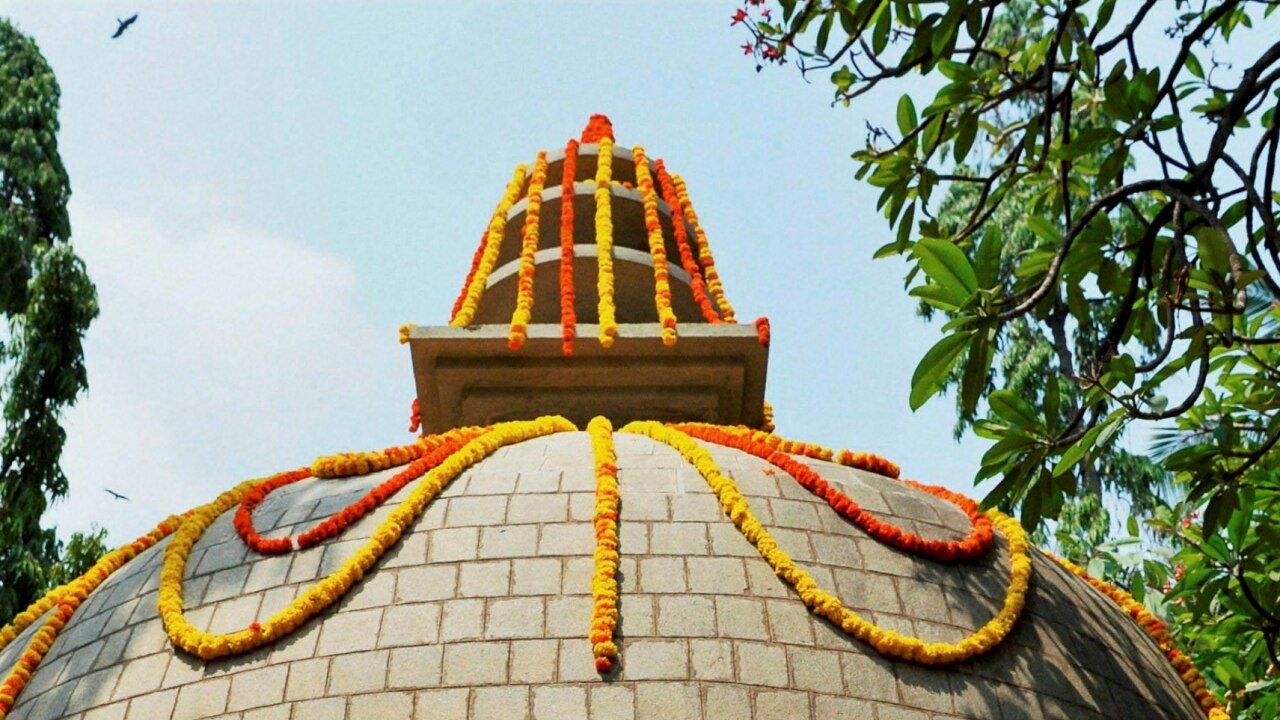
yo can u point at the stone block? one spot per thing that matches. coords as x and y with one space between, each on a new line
462 620
540 576
515 618
721 576
428 582
869 676
417 624
781 705
682 539
568 616
643 507
668 701
485 579
478 663
655 660
533 661
255 688
560 539
415 667
662 575
711 659
307 679
727 540
762 665
740 618
790 621
537 481
561 702
384 706
141 676
549 508
817 670
155 705
499 703
510 541
453 544
729 702
358 672
686 616
349 631
442 704
322 709
613 702
202 699
482 511
843 708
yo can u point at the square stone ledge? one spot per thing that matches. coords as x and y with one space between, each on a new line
468 376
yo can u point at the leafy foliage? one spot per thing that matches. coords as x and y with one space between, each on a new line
1096 220
49 301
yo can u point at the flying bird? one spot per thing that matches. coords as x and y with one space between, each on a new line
124 25
116 495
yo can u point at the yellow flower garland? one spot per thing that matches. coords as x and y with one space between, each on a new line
657 247
523 313
327 591
67 599
604 581
886 642
704 251
493 244
604 244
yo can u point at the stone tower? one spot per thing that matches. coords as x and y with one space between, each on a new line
526 558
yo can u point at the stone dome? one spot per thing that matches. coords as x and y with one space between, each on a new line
481 610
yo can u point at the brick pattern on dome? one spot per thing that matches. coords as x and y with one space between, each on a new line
481 611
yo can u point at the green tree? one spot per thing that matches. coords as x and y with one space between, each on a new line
1095 216
48 300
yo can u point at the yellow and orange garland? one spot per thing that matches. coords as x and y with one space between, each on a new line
604 243
1157 631
64 601
327 591
604 579
488 256
528 248
568 316
704 250
657 247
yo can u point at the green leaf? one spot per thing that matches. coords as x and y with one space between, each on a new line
974 380
988 257
824 32
906 115
932 371
880 35
943 298
966 132
946 265
1013 408
1044 229
1193 65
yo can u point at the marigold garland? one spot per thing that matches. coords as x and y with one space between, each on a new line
327 591
604 580
767 425
657 247
405 329
762 330
975 544
681 233
886 642
1156 629
598 128
64 601
860 460
528 248
568 316
704 250
604 243
476 259
415 416
429 452
492 245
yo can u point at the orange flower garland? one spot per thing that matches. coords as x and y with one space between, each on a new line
604 580
604 242
438 447
471 274
974 545
1152 626
598 128
68 600
767 425
529 247
860 460
762 330
327 591
492 245
568 317
657 247
415 416
704 250
886 642
687 260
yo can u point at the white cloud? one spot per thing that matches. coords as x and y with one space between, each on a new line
220 352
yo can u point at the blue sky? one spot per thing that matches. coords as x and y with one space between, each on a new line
264 192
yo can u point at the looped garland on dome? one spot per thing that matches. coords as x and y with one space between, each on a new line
433 461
